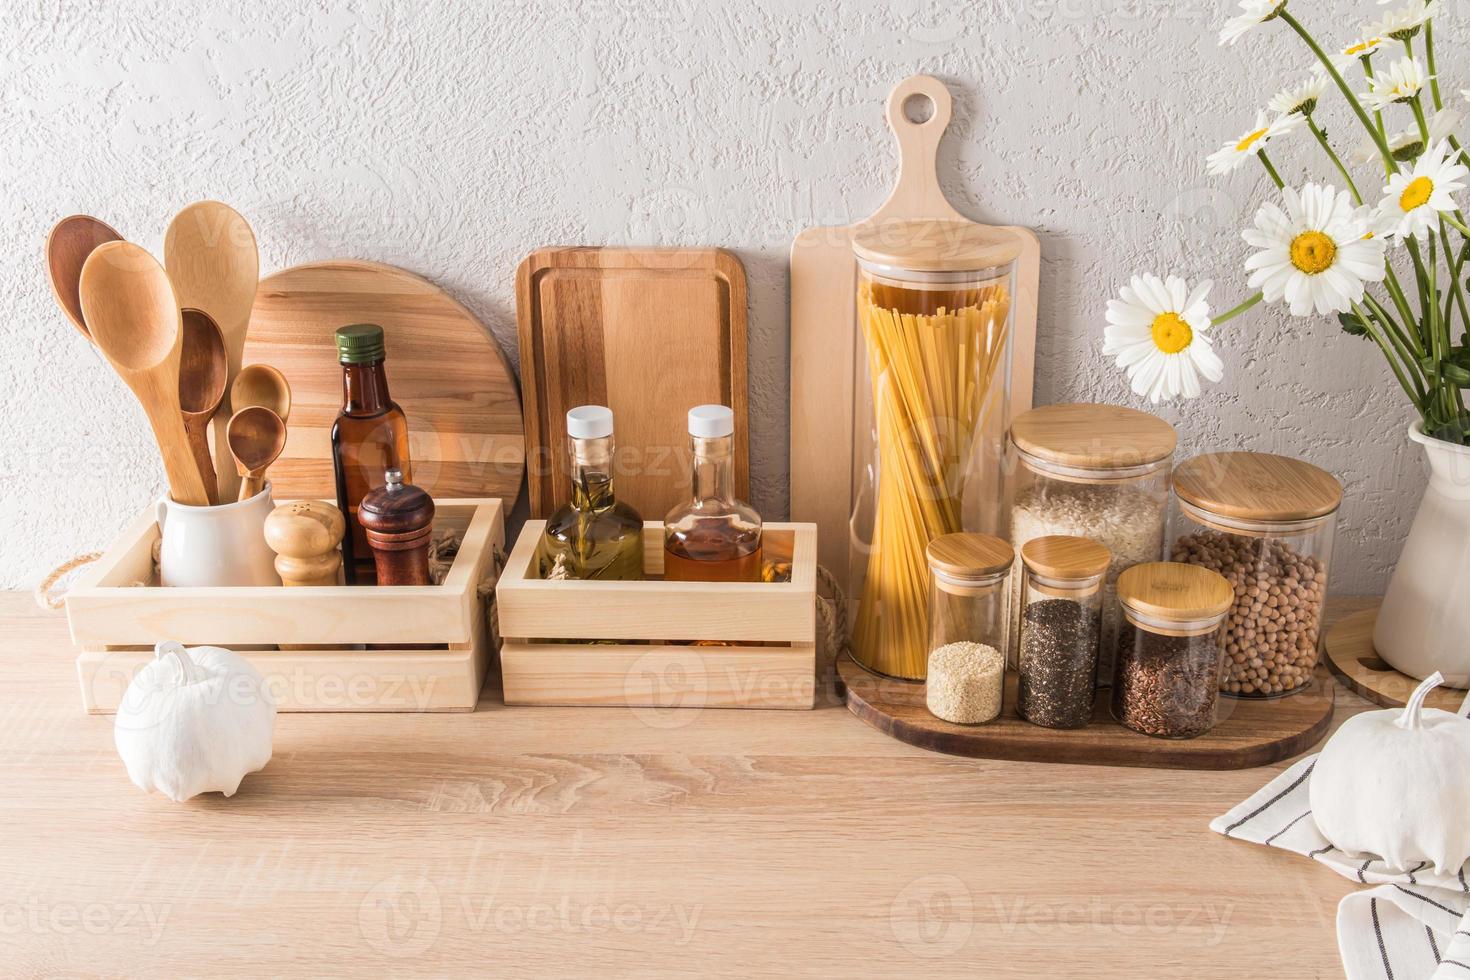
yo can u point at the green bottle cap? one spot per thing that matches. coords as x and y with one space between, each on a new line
360 343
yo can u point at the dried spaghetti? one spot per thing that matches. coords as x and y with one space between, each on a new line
933 357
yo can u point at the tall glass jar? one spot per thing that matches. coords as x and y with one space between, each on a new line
1266 523
1092 471
969 585
1061 623
932 396
1167 682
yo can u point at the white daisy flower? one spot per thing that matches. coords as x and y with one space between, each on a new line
1253 12
1413 201
1407 145
1401 82
1157 330
1300 98
1236 152
1404 23
1356 51
1317 253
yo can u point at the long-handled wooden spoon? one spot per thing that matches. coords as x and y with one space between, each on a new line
130 309
67 247
203 371
256 436
210 254
261 384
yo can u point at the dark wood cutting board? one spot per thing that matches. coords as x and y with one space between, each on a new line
649 332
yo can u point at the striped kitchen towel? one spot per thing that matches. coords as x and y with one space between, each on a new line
1411 925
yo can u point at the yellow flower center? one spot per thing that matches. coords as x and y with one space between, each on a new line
1171 333
1362 47
1312 252
1416 194
1249 141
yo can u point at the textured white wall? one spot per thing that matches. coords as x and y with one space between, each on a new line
452 137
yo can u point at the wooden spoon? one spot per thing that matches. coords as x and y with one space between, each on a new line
261 384
256 436
202 374
133 317
210 254
67 248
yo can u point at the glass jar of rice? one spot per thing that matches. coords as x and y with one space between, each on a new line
969 577
1092 471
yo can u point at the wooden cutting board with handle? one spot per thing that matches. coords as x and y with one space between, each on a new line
648 332
444 369
824 331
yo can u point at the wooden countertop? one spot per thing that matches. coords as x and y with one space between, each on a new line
549 842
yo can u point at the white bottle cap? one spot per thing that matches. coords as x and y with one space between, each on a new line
711 421
590 422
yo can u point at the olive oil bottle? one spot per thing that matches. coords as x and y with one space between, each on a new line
714 537
594 536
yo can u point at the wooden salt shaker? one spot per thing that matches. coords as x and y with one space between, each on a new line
399 520
305 535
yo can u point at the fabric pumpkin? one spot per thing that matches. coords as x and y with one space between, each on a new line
195 721
1396 785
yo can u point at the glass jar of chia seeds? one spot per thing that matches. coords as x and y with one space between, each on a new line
1167 679
969 601
1061 623
1092 471
1267 524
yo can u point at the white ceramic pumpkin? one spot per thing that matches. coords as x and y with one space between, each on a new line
195 721
1396 785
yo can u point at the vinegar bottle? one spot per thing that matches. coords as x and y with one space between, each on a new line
713 537
595 535
369 438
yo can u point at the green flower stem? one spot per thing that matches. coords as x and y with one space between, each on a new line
1367 62
1429 54
1332 155
1234 312
1408 348
1454 295
1419 118
1266 162
1336 76
1388 355
1456 224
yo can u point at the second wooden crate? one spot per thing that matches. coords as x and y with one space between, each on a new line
662 644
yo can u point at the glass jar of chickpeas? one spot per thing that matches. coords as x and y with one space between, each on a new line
1266 523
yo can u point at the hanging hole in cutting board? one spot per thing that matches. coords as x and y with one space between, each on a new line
918 109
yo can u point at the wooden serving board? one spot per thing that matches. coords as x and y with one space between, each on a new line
648 332
1255 733
1353 661
824 351
444 369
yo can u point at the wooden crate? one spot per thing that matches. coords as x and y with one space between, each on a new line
646 655
115 622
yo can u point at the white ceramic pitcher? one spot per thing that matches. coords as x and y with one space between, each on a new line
1424 624
216 546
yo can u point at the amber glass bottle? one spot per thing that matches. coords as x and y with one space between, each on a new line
370 437
713 537
595 535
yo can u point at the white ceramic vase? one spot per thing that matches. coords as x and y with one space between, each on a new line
1424 624
216 546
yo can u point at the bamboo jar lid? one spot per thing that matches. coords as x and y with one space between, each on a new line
1093 436
969 556
935 245
1257 487
1066 557
1173 591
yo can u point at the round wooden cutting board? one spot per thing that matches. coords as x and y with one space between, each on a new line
444 368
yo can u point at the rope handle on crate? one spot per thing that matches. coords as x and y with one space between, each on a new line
42 592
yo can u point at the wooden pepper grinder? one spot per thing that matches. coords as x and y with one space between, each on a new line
305 535
399 520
